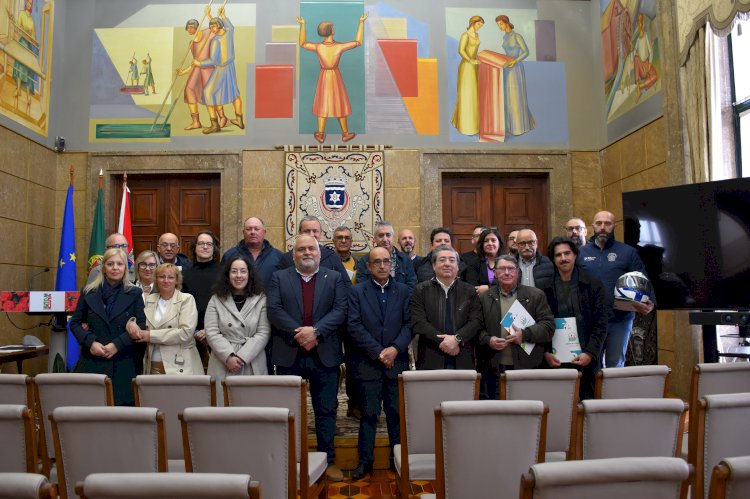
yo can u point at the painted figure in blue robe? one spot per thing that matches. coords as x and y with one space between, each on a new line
518 118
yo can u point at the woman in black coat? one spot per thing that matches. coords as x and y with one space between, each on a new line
107 308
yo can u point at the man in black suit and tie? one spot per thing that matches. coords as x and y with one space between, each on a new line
380 332
306 306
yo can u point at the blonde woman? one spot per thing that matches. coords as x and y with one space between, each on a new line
145 267
109 308
466 114
171 316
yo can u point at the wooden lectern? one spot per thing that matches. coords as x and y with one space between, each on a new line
491 96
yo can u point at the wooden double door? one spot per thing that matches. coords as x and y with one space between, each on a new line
508 203
182 204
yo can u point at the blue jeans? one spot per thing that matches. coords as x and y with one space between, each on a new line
323 390
371 394
616 345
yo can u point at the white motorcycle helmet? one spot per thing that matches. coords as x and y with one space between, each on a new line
632 287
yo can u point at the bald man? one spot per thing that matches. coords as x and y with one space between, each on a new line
575 229
255 247
168 251
606 259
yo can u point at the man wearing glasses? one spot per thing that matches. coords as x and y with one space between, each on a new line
402 269
536 269
115 240
575 229
607 259
168 250
500 349
342 243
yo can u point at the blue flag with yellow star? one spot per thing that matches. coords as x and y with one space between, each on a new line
66 270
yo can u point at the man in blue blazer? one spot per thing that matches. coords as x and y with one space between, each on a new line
380 332
306 307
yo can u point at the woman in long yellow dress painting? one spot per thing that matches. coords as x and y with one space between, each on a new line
466 115
331 99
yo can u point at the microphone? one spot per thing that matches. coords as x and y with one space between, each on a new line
36 274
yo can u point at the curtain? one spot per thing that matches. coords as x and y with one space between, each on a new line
694 96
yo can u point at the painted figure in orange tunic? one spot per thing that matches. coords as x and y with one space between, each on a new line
331 100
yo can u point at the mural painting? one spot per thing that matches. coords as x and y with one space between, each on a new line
631 54
25 66
502 93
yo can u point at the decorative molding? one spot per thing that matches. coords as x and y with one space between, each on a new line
694 14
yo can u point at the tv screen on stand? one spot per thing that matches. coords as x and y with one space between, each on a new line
695 243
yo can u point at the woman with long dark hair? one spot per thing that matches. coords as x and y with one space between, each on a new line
237 327
481 273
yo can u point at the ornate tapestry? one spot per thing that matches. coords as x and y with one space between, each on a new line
340 187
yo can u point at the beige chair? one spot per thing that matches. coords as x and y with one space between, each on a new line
288 392
615 478
731 479
483 446
259 441
52 390
106 439
419 393
629 428
171 394
17 437
558 389
720 433
168 485
713 379
26 486
632 382
16 389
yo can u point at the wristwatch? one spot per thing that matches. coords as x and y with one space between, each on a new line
459 340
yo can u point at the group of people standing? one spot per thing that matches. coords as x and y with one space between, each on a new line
261 311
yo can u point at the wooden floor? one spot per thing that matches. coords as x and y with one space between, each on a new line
381 484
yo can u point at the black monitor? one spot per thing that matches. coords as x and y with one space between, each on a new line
695 242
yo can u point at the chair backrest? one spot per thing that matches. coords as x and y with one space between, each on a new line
630 428
16 389
52 390
169 485
731 479
25 486
616 478
632 382
558 389
483 446
106 439
171 394
17 437
289 392
255 440
720 425
420 392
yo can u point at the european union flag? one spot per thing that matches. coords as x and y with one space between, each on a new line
66 270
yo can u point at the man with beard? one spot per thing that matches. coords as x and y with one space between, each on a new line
536 269
511 241
306 307
342 243
407 241
575 294
575 229
606 259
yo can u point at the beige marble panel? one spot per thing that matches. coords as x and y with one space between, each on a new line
633 153
13 277
266 204
14 153
610 162
586 170
656 142
43 244
636 182
13 242
402 206
586 202
686 352
79 162
263 169
613 199
402 168
275 236
43 205
666 330
657 176
13 196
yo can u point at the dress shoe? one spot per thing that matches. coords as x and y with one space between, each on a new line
334 474
361 471
354 412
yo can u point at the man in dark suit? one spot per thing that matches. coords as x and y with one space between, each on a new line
380 331
306 306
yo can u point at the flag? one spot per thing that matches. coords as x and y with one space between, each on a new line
66 270
98 238
124 226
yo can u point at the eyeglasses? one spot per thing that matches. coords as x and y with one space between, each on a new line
343 238
238 271
505 270
168 245
118 246
382 263
204 244
523 244
145 266
571 228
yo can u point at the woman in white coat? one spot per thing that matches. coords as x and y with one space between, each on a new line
237 327
171 316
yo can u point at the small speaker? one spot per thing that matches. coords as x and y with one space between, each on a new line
59 144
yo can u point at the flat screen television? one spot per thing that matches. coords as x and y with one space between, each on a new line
695 242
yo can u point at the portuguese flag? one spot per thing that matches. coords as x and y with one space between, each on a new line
98 238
